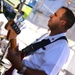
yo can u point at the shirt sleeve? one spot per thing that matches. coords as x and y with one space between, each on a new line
54 58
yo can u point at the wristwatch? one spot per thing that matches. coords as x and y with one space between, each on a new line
22 70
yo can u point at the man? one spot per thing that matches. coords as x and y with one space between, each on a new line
55 55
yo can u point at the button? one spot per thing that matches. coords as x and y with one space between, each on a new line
52 38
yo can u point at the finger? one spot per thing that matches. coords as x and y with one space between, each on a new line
17 48
10 50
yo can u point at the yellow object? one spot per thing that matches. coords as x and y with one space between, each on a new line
26 9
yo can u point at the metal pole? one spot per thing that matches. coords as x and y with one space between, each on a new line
1 6
21 5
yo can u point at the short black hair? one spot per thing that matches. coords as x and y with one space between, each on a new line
69 17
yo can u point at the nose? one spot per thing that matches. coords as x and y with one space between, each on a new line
51 15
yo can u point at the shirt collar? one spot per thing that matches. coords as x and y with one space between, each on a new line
52 38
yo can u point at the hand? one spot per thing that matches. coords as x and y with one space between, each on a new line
14 57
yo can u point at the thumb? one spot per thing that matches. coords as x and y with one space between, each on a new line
17 48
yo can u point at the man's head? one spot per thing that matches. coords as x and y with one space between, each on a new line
62 19
69 17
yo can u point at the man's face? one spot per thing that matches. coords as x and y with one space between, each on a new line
55 21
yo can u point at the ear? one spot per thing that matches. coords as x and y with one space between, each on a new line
63 22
